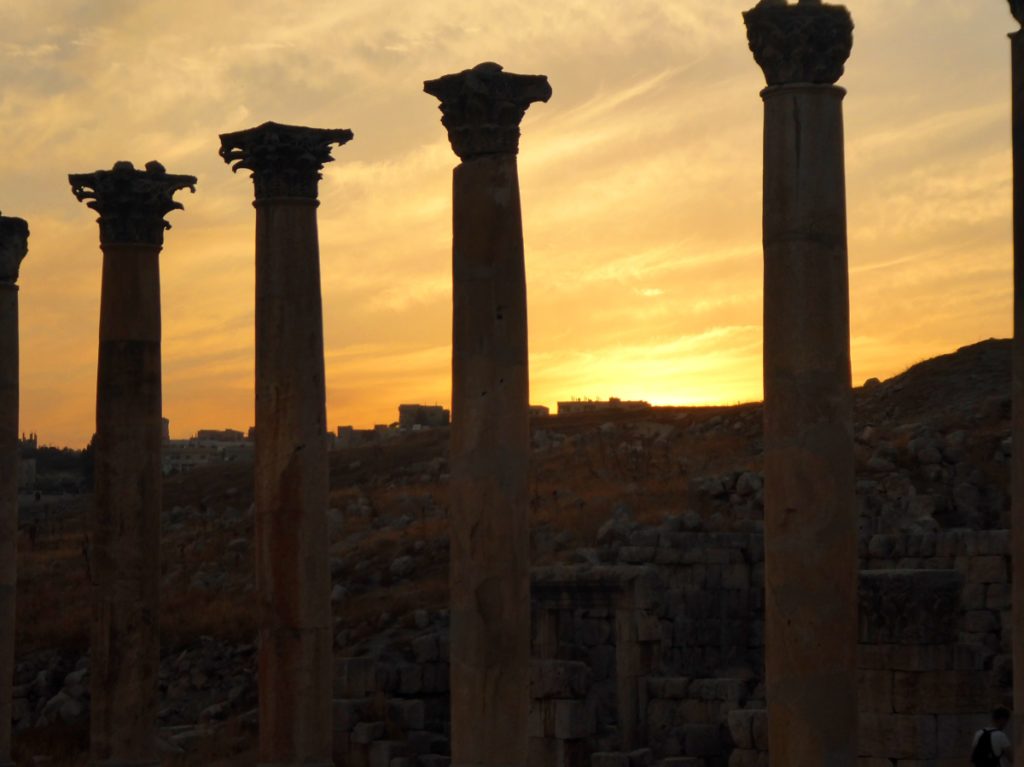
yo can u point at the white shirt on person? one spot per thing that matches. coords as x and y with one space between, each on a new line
1000 744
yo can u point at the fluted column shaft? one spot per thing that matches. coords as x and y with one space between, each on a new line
292 563
490 442
124 659
490 451
13 246
8 506
292 573
810 518
1017 466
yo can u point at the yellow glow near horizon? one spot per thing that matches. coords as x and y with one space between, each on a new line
640 183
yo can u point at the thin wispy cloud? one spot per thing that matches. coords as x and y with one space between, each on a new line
640 179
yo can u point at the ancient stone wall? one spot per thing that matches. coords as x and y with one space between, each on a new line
653 653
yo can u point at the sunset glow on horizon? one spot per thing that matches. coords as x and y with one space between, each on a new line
640 180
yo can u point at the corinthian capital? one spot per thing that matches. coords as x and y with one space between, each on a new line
804 43
285 160
131 203
13 247
483 106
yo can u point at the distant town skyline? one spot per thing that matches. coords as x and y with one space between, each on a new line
641 185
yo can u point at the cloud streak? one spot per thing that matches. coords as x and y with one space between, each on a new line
640 180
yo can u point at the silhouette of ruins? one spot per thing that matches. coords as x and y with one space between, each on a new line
860 643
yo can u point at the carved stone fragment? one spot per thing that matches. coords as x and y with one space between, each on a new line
483 106
285 160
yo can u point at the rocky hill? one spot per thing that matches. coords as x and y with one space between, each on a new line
932 446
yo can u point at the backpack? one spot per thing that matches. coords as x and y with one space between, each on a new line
983 754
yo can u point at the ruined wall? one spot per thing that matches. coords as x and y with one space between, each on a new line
651 651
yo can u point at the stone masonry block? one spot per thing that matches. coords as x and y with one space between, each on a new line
703 740
987 569
559 679
609 759
383 751
874 691
741 729
367 732
574 719
909 607
897 736
348 712
759 729
354 677
406 714
940 692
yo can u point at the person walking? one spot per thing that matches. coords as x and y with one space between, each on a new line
991 745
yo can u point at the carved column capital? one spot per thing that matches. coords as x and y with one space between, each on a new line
804 43
483 106
13 247
285 160
1017 9
132 203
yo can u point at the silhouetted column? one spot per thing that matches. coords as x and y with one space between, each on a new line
125 652
292 573
490 449
1017 465
13 247
810 519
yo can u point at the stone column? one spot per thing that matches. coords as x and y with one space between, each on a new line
292 573
125 655
1017 464
13 247
810 518
490 448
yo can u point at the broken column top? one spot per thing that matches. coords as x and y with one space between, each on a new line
483 106
132 203
806 43
13 247
285 160
1017 9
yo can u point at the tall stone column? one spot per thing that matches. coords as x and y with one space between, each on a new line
13 248
125 654
490 448
292 571
810 519
1017 461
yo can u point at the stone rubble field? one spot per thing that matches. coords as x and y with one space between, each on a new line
648 589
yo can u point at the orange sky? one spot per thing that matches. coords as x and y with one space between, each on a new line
640 182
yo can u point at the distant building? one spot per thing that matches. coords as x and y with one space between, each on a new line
166 423
349 436
424 416
598 406
220 435
539 410
27 447
207 447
